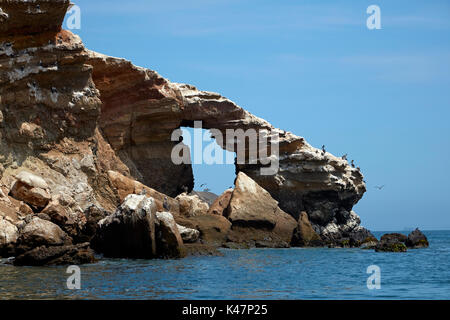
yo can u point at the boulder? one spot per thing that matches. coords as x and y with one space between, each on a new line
130 231
38 232
93 215
61 255
348 234
256 217
390 246
8 236
304 235
392 242
393 237
213 229
63 211
169 243
124 186
191 205
221 203
369 243
188 235
31 189
416 239
57 213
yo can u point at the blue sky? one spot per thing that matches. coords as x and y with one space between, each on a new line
313 68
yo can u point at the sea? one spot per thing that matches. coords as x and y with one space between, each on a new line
294 273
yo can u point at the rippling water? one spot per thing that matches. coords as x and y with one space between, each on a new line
294 273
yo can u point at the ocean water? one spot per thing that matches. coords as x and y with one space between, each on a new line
295 273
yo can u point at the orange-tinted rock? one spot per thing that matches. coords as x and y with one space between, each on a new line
191 205
256 217
72 115
221 203
124 186
213 229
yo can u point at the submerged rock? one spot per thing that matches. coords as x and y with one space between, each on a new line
390 246
392 242
56 255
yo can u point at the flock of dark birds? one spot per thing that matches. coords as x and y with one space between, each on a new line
352 163
206 189
344 157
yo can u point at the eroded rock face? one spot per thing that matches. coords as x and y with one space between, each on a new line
49 108
93 126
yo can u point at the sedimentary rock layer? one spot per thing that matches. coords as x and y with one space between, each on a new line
73 116
141 110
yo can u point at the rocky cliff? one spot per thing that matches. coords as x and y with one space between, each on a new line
79 119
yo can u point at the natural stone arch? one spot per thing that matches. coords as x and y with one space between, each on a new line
141 109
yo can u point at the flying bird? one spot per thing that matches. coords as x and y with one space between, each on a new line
379 187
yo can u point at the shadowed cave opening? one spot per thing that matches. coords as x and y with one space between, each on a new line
213 167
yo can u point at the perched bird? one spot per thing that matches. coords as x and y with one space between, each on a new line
379 187
203 185
143 192
323 149
344 157
185 189
166 204
352 163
